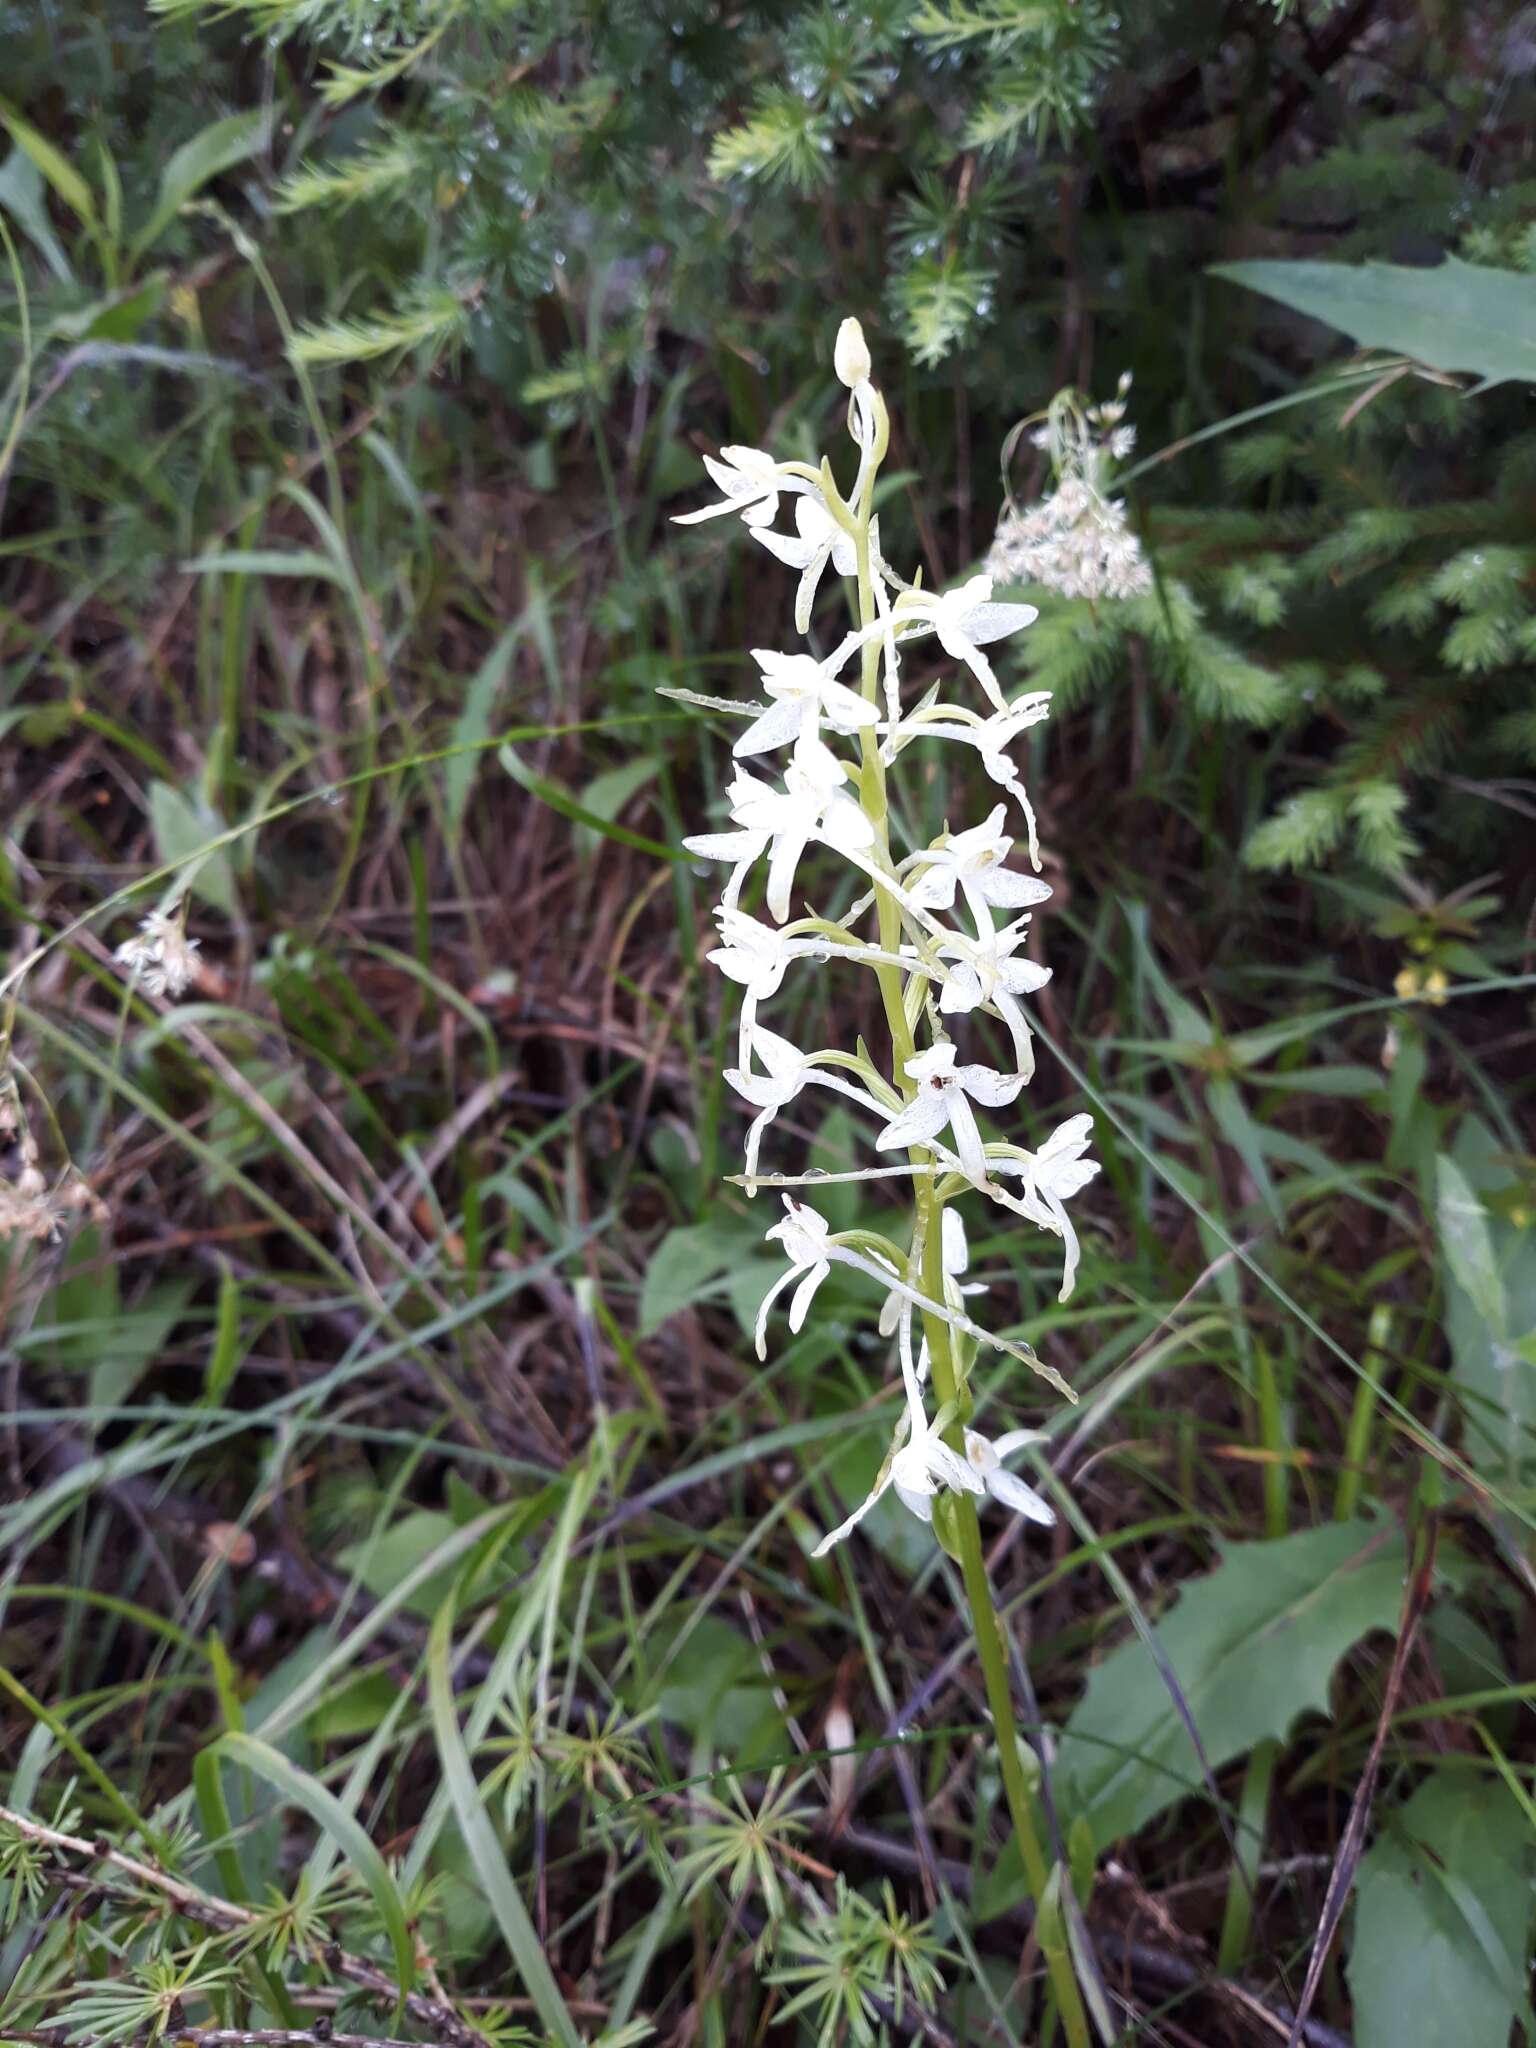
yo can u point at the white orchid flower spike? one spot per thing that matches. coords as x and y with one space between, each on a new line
804 693
943 924
945 1092
965 620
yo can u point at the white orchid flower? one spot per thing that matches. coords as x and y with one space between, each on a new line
805 1237
975 861
965 620
789 1070
1051 1176
991 737
917 1468
944 1095
803 694
985 1456
817 540
751 482
757 957
986 973
813 1250
783 823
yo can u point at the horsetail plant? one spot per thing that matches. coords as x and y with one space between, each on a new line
927 926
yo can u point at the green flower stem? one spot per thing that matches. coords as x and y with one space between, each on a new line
947 1387
872 797
985 1625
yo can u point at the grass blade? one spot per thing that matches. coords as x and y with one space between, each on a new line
485 1850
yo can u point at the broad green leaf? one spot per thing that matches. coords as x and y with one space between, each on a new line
1468 1245
1443 1919
1251 1645
181 828
1339 1080
131 1343
1495 1361
836 1150
121 317
383 1561
684 1266
1457 316
473 724
55 167
215 148
327 1812
607 794
711 1685
96 1335
749 1280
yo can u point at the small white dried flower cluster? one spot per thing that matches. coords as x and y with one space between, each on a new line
160 957
29 1208
936 943
1076 541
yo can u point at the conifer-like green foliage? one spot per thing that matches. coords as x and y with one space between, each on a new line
568 206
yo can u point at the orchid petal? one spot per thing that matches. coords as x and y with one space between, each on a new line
992 1090
988 622
923 1118
778 726
962 1124
1012 1492
799 1307
787 849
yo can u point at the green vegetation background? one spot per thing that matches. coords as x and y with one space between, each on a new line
379 1426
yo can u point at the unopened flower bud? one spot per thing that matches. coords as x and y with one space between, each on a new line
850 354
